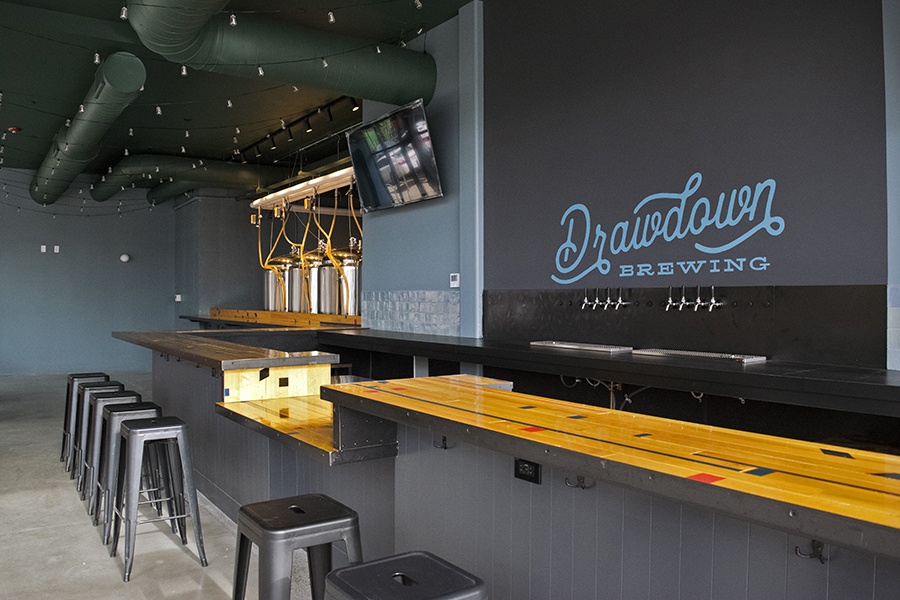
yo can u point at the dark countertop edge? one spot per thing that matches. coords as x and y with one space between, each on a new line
872 391
218 354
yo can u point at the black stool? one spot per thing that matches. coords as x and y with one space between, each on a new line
409 576
68 440
180 481
82 407
278 527
95 439
113 416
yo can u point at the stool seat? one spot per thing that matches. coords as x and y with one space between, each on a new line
68 441
280 526
409 576
178 480
107 482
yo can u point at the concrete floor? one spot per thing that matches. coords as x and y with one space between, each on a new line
48 545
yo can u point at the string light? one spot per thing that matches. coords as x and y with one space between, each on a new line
184 70
183 151
187 133
158 110
130 132
418 3
237 130
324 63
81 108
124 13
68 122
96 58
228 103
233 20
331 18
259 69
283 126
378 48
126 151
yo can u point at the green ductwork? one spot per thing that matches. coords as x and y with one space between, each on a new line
164 170
197 34
117 83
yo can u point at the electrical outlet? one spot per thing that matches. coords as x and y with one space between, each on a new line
527 470
454 280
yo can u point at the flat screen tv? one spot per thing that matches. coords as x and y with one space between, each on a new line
393 159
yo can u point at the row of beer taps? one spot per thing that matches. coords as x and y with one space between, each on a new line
697 303
620 302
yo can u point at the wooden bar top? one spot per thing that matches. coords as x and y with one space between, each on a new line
844 495
207 351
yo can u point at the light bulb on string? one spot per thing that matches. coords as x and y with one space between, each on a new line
402 43
187 133
234 140
283 125
378 48
130 132
126 151
68 122
96 58
296 89
158 110
123 14
184 70
233 20
418 3
3 137
228 103
324 63
237 130
183 151
81 108
331 18
259 70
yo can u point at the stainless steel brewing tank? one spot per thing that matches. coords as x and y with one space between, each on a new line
314 265
277 283
349 282
329 291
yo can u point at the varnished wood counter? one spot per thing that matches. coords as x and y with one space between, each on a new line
207 351
831 493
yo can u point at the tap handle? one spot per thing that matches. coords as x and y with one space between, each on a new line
596 301
609 301
670 303
713 303
698 302
683 302
585 302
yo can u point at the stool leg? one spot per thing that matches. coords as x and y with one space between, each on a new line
275 573
67 423
354 546
133 461
188 473
319 558
241 567
93 468
112 488
173 479
118 509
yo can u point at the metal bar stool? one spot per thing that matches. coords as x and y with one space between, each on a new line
82 407
136 434
278 527
107 479
95 439
68 440
409 576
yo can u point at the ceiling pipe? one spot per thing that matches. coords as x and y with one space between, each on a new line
117 83
165 169
195 33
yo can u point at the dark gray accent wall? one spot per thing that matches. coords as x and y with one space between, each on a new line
217 260
631 113
606 542
59 309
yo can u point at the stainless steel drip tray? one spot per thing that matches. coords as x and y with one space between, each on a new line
740 358
582 346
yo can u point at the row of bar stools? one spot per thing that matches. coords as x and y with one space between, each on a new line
178 477
278 527
68 440
95 439
82 424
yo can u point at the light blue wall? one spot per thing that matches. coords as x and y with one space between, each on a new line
891 16
59 310
416 247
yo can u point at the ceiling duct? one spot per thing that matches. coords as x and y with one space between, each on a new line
117 83
184 171
197 34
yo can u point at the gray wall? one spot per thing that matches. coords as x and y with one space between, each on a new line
216 259
606 542
59 310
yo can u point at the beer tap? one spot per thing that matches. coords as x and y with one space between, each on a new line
698 302
585 302
683 302
713 303
620 302
670 303
609 301
596 301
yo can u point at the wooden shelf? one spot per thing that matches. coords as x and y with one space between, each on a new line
289 319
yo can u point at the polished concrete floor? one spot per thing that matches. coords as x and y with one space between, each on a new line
48 545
